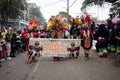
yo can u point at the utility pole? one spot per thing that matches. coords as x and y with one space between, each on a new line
68 7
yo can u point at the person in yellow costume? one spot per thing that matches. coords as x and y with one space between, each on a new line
3 34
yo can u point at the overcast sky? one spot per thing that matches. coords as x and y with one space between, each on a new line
53 7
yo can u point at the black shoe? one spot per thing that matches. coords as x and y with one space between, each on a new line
0 65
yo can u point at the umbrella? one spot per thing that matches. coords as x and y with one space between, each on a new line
114 20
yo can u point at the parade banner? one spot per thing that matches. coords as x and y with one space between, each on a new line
54 47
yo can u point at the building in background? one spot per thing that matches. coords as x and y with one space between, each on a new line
21 22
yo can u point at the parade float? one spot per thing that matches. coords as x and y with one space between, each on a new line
57 25
56 46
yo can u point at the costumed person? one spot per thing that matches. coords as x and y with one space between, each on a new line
74 31
30 52
25 39
76 24
13 45
111 40
86 40
86 36
8 45
74 50
3 35
43 32
35 52
34 29
58 35
54 25
102 41
117 36
35 33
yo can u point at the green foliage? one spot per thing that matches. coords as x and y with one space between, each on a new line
11 8
87 3
115 9
36 14
65 14
111 1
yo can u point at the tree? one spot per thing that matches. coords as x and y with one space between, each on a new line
66 15
95 2
11 9
87 3
111 1
36 14
115 9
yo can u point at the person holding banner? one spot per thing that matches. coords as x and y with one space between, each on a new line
33 52
74 50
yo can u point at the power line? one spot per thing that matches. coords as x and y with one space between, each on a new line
72 4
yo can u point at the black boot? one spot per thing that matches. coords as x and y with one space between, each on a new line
77 54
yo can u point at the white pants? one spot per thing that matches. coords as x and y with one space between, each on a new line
8 47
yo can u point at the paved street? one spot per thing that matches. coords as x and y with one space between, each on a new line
68 69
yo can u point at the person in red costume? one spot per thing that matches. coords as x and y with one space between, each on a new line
35 33
86 36
25 38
